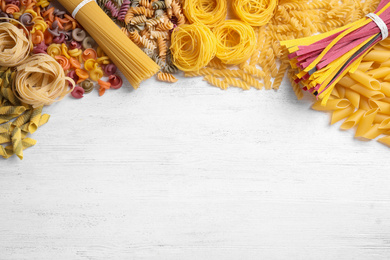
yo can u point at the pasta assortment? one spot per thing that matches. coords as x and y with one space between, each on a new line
195 37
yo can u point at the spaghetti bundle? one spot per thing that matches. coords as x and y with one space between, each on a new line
193 46
131 61
236 41
322 60
255 12
207 12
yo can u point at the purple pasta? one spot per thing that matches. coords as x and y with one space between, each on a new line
113 9
68 36
115 81
123 10
26 19
59 39
54 32
40 48
110 69
74 45
72 74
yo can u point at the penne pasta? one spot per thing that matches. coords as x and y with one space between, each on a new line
366 122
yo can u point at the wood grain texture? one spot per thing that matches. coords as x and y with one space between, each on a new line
187 171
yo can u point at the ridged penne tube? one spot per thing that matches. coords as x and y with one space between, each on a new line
34 119
17 142
366 122
6 118
5 138
332 104
353 119
340 114
7 152
366 80
12 110
4 128
21 120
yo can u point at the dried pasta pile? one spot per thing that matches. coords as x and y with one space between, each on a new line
149 25
17 119
361 107
347 69
291 19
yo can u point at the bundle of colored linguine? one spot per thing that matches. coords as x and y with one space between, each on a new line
348 70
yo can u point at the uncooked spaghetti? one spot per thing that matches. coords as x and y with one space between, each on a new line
193 46
236 41
207 12
131 61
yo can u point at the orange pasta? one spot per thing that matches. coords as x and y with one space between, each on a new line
63 61
89 54
82 74
103 86
74 63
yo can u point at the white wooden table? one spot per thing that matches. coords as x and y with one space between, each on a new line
187 171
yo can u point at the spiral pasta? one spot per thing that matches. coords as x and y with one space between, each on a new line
41 80
207 12
166 77
192 46
14 45
236 41
255 12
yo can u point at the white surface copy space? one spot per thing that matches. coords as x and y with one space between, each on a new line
188 171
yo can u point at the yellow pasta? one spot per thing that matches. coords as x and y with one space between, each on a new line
207 12
135 65
192 46
254 12
385 140
216 82
332 104
366 122
236 83
166 77
236 41
340 114
364 79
